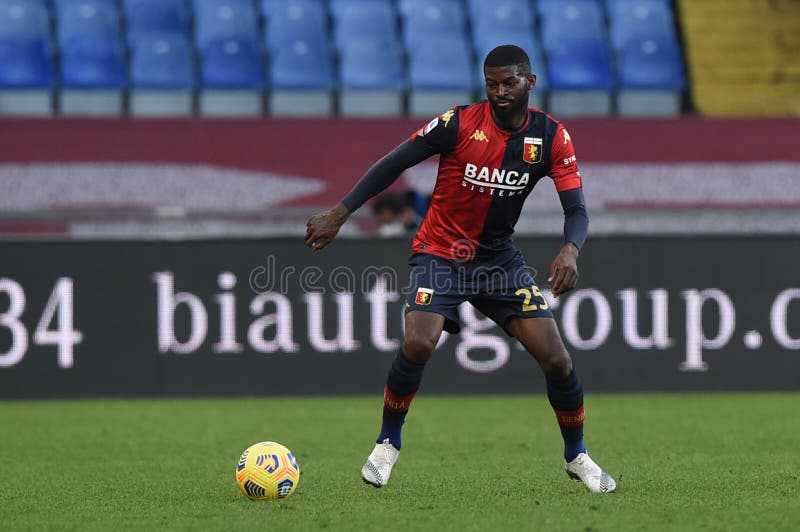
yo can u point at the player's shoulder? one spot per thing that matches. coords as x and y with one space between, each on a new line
550 119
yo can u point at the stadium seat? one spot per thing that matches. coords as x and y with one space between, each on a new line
526 41
581 78
232 78
337 6
356 20
21 18
640 18
440 75
511 16
87 18
93 77
295 20
26 77
301 76
372 78
268 6
147 18
407 7
436 17
651 78
162 77
216 19
571 19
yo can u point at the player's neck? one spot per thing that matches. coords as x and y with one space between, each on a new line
511 123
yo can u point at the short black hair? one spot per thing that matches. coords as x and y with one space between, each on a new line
507 55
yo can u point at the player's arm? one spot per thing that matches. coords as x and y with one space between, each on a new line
434 138
322 228
564 172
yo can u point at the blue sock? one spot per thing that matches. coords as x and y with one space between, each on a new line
402 384
566 398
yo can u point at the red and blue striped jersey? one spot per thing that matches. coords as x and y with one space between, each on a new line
485 174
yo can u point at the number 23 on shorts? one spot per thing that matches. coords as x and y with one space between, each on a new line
527 295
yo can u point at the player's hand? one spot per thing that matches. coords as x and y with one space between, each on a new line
564 270
322 228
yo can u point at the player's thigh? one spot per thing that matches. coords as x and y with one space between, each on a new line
423 330
541 339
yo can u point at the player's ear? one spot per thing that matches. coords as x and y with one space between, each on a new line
531 81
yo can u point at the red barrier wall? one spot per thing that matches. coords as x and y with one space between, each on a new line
340 150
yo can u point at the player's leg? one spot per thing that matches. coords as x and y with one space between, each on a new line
541 339
423 330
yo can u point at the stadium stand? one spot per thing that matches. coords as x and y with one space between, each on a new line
146 18
162 77
732 75
302 78
369 57
232 78
93 76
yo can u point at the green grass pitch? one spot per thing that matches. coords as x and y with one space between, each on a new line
682 462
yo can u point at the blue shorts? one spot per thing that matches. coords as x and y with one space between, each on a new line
501 287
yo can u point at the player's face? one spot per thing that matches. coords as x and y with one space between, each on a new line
507 91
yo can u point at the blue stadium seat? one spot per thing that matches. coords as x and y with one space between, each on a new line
25 62
93 62
513 16
21 18
337 6
571 19
356 19
436 17
440 74
640 18
155 17
651 63
224 18
652 78
408 7
582 63
442 63
372 78
302 64
370 64
86 18
232 63
163 62
295 20
545 7
269 6
301 77
581 78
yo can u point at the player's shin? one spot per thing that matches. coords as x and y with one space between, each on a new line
402 384
566 398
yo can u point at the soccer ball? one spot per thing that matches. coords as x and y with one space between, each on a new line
267 471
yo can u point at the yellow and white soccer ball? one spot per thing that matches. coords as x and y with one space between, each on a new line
267 471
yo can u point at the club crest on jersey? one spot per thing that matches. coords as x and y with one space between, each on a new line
532 150
424 296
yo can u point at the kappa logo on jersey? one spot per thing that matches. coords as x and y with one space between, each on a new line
567 138
424 296
479 135
446 117
532 150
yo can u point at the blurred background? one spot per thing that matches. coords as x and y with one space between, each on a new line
155 155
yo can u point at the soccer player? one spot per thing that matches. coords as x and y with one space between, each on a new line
492 153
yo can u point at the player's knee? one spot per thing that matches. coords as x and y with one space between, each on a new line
556 365
418 348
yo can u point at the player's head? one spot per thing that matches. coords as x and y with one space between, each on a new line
507 70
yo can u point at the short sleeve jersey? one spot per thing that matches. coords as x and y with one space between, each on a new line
485 174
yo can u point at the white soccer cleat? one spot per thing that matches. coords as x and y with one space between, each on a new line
584 469
378 467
